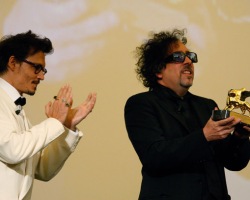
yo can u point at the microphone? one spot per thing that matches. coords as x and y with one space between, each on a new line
18 109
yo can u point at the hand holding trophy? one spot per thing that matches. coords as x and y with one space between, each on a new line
236 100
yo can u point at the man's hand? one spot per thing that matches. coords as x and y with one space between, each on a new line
59 108
217 130
245 135
77 114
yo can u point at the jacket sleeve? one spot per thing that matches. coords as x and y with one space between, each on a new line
18 143
233 152
53 157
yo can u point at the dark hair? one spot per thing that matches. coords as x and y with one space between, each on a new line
21 46
152 52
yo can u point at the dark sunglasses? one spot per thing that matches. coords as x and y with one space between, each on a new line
180 57
38 67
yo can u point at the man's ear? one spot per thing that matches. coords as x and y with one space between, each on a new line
159 75
11 63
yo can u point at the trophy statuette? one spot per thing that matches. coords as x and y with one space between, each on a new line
235 100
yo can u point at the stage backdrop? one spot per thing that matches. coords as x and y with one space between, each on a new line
94 51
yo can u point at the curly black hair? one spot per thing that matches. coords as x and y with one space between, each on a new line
152 52
21 46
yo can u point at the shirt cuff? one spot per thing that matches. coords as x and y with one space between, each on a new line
74 132
72 138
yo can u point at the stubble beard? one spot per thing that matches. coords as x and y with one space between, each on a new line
30 93
187 83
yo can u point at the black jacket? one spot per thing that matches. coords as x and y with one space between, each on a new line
179 164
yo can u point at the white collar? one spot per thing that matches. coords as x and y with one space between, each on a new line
9 89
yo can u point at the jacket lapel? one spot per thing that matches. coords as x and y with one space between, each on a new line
197 106
166 101
173 111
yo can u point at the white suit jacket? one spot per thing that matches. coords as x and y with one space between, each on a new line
28 152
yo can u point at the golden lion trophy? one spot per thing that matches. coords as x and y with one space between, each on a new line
235 100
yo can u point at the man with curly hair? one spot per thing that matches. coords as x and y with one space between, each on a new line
182 150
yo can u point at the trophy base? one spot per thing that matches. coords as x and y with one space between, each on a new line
223 114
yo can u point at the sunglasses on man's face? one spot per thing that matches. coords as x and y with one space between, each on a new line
179 57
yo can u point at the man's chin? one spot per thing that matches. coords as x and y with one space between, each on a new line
187 85
31 93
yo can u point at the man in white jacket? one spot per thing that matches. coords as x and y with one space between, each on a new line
32 152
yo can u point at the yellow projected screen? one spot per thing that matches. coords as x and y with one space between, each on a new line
94 43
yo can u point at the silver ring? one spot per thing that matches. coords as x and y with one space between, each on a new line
63 100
